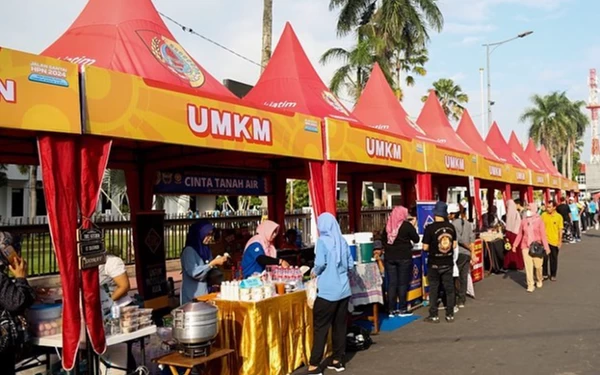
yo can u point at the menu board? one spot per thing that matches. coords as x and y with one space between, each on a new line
151 266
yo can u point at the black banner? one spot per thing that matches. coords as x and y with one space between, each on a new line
151 267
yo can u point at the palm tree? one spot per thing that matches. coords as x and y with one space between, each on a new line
451 98
31 171
267 33
394 33
558 124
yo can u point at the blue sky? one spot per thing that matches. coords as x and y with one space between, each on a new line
557 56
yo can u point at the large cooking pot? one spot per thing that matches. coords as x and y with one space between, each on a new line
195 323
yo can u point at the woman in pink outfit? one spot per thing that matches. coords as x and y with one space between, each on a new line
532 230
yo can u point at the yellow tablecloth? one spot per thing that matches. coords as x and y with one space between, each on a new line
270 337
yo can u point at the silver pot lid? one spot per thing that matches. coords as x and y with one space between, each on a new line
198 307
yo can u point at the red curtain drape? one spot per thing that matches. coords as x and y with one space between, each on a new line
93 157
424 187
323 186
529 194
58 160
477 199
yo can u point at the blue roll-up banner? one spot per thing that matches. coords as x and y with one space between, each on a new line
424 214
198 183
414 298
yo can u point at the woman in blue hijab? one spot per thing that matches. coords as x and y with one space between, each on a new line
197 261
332 264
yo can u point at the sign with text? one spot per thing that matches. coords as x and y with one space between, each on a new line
443 160
415 289
424 215
197 183
353 143
92 260
477 268
127 106
38 93
151 267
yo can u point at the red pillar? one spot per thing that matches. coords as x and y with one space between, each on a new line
354 203
424 187
547 196
507 192
529 194
558 194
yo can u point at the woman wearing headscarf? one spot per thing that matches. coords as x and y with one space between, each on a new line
513 259
15 296
197 261
260 250
333 261
532 230
398 238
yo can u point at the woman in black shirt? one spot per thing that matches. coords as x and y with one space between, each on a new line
398 238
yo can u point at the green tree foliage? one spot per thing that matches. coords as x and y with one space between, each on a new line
300 198
451 97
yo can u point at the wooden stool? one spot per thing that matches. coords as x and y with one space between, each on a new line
176 360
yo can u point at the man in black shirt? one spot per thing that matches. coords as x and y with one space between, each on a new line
564 211
439 239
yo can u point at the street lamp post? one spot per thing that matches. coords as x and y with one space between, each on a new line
488 53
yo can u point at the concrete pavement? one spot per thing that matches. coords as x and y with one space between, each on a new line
555 330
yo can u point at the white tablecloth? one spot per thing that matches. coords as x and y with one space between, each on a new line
55 341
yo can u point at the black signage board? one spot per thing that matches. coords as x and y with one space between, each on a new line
91 261
90 248
92 234
151 266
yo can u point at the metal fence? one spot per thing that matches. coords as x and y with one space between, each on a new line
37 248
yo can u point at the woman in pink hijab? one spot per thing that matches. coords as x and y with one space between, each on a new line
398 238
513 259
532 230
260 250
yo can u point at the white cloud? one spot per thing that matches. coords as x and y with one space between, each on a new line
470 40
468 28
458 77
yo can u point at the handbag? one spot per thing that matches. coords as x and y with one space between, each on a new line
14 332
536 250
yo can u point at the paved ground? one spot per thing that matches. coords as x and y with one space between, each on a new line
555 330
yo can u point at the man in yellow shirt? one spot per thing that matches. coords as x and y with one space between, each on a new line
553 222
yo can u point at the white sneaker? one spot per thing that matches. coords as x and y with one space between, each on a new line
456 309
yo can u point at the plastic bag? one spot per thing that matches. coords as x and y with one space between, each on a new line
311 292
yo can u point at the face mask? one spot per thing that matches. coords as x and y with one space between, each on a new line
529 214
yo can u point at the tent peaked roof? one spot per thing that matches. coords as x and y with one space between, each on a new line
546 158
468 132
379 108
518 152
497 143
532 152
434 122
130 37
291 82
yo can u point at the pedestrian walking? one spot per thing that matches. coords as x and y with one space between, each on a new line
398 238
593 208
439 239
465 239
553 223
575 213
532 233
333 261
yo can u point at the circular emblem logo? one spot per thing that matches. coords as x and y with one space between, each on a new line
178 178
445 243
177 60
334 102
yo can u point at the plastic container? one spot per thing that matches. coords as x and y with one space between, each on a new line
129 322
364 244
47 328
145 312
44 312
129 329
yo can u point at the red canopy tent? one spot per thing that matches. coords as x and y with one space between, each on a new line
434 122
538 174
545 157
130 37
290 81
552 181
492 169
520 173
379 109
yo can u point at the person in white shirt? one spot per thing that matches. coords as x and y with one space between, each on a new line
115 283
